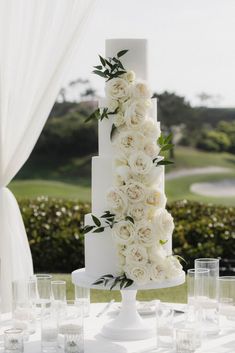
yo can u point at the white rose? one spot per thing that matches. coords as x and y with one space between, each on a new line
157 272
141 90
123 232
129 141
121 255
135 113
140 163
120 160
117 89
151 129
154 178
145 233
129 76
136 254
119 119
111 104
156 198
138 273
157 254
173 267
116 200
137 211
135 191
164 224
151 148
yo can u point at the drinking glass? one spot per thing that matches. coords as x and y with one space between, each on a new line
23 304
185 339
49 329
13 341
71 331
43 290
209 304
227 296
165 326
58 291
82 297
197 284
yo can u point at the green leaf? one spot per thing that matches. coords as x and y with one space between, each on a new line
99 230
168 138
167 147
114 283
181 258
87 229
165 162
99 281
96 221
102 60
121 53
129 282
163 242
98 67
94 116
128 218
113 129
109 276
99 73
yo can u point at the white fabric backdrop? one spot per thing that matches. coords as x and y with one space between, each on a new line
37 39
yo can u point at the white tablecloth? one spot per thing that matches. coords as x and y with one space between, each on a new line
95 343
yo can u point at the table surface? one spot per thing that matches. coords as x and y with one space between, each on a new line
224 342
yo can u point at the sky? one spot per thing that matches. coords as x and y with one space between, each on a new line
191 44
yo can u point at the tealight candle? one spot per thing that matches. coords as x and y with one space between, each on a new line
13 341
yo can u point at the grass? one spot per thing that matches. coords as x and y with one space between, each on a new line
70 178
175 294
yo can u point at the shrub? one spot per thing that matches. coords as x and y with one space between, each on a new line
57 245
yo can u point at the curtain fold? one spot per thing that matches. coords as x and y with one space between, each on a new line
37 40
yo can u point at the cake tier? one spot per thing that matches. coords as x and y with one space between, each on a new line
102 181
136 57
105 126
100 252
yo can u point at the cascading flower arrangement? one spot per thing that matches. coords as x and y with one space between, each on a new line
136 203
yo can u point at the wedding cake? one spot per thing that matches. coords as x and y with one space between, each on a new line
129 231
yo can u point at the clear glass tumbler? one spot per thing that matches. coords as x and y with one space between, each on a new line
227 296
49 329
82 297
165 325
197 284
43 290
58 293
23 305
185 340
13 341
209 305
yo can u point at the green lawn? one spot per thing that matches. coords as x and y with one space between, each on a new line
71 178
175 294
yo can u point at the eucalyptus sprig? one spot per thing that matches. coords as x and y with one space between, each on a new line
112 281
111 67
165 143
97 227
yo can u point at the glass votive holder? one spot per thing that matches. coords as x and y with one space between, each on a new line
185 340
227 297
73 343
164 325
82 298
13 341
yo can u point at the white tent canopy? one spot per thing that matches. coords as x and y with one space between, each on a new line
37 40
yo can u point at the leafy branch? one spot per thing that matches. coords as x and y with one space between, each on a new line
111 67
165 144
97 227
100 114
110 280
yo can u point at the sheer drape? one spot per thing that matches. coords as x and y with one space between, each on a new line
37 39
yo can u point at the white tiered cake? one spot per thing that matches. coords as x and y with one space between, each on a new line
102 253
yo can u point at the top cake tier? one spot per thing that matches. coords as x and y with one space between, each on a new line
136 59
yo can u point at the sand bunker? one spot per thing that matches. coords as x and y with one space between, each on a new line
222 188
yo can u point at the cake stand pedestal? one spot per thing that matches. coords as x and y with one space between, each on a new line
128 325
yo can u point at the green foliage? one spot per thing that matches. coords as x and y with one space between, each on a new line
53 228
203 230
214 141
109 280
110 67
57 244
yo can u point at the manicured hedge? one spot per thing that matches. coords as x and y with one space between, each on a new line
53 228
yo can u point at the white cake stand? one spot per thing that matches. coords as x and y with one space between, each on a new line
128 325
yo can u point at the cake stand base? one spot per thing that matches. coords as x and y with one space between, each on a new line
128 325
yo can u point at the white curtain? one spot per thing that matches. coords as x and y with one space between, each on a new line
37 40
